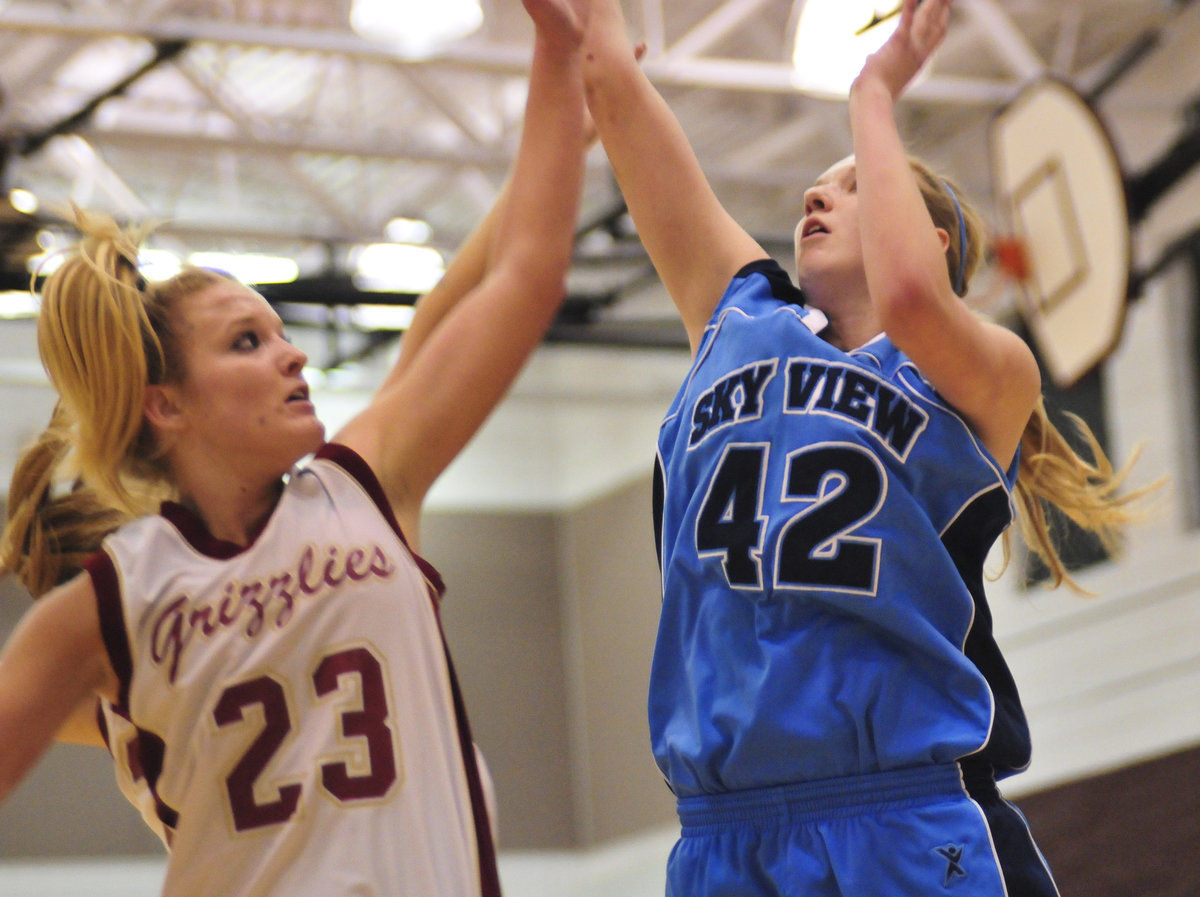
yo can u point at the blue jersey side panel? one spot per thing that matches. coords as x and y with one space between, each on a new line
823 522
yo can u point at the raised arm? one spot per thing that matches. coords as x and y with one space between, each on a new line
423 416
54 662
985 371
464 273
695 245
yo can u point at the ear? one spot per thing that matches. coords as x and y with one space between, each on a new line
162 409
944 236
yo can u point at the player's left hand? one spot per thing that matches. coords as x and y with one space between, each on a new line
923 24
561 21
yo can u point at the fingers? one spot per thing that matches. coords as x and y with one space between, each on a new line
562 19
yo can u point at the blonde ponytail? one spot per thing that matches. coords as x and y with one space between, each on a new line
1087 492
48 537
100 350
104 335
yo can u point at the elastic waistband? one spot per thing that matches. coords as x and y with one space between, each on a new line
826 799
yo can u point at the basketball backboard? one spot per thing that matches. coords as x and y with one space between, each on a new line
1060 191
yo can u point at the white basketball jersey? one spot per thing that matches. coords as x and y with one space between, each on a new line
300 727
123 740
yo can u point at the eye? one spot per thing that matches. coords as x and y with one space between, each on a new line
246 341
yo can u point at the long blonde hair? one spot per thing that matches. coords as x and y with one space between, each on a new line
1050 471
104 335
50 533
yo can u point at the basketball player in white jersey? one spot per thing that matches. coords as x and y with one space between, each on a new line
273 632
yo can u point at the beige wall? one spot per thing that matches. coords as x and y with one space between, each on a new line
551 620
612 597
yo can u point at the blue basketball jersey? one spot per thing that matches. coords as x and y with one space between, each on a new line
823 520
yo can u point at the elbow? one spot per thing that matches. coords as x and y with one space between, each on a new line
907 300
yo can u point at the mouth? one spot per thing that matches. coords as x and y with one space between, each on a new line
300 394
811 227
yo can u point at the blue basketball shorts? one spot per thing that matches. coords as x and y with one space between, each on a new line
924 831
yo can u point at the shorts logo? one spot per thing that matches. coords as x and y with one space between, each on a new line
953 854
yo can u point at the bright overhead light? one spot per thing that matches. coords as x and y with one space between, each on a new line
249 267
397 268
415 28
18 304
834 39
23 201
408 230
45 263
382 317
159 264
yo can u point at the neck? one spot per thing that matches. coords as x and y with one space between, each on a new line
853 321
844 298
233 505
235 519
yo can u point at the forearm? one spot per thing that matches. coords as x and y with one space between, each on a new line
903 256
465 272
54 661
694 244
535 227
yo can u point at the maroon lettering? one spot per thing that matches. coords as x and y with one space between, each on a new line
335 572
231 608
354 565
168 638
258 616
249 604
307 562
281 589
381 565
202 616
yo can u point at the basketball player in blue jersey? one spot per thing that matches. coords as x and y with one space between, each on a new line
827 701
273 632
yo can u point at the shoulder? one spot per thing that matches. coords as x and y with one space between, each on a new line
763 288
766 279
336 462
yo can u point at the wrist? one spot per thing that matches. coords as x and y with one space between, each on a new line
871 91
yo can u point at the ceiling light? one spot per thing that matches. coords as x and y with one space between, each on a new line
834 39
415 28
45 263
249 267
18 304
397 268
382 317
23 201
408 230
158 264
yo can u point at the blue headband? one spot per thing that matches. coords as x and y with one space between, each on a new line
962 239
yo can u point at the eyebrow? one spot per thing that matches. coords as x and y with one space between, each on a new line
850 172
252 322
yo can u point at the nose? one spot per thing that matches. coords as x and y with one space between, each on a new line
294 358
816 199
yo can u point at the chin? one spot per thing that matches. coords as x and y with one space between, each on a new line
317 438
303 444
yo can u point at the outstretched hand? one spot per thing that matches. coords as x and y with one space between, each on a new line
562 21
922 26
